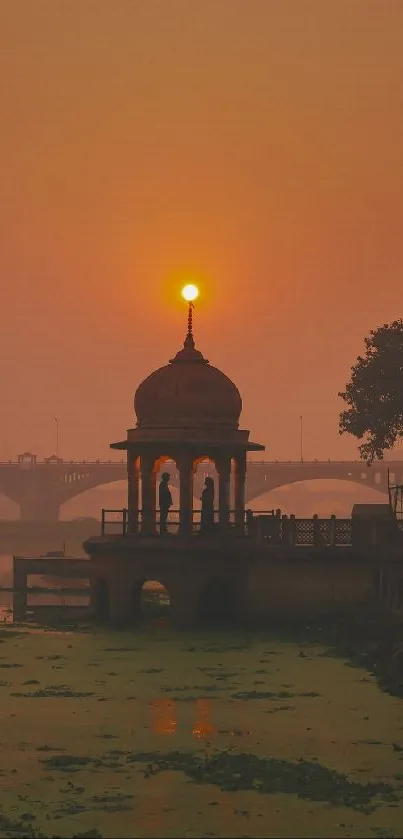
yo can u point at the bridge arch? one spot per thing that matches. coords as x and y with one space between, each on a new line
260 484
319 495
90 501
9 508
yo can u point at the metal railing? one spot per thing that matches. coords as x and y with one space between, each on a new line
265 527
119 522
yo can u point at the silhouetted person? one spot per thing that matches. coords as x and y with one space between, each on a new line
207 507
165 500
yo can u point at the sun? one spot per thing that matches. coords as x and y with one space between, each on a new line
190 292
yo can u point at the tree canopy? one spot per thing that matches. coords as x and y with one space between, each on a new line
374 394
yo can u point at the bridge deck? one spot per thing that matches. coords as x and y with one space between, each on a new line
41 487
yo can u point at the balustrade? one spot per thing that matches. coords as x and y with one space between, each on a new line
266 527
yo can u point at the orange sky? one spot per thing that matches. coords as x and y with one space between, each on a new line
257 144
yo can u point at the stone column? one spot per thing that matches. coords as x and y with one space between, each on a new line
148 491
223 466
133 478
239 495
185 467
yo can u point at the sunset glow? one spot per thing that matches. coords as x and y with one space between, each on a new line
190 293
270 176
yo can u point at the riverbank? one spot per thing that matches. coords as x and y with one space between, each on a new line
371 639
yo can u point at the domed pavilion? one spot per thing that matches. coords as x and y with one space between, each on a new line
187 412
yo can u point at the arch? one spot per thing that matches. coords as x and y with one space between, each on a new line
216 603
201 473
168 463
9 509
324 496
204 467
163 459
102 601
149 601
87 502
265 477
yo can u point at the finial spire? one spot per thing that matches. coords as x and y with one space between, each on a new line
189 340
189 353
190 293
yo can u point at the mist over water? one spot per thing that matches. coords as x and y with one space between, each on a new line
303 499
6 569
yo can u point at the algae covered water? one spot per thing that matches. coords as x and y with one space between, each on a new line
161 734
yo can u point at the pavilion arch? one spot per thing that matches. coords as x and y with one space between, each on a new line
160 465
162 459
101 601
199 478
148 598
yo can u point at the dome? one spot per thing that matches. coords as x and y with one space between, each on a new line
187 392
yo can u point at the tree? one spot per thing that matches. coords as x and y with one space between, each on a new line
374 394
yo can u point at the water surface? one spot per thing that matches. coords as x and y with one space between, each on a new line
114 730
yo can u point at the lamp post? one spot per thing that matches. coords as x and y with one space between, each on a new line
57 436
301 440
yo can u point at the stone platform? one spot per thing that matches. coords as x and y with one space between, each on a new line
209 579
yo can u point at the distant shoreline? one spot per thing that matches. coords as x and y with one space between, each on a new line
28 537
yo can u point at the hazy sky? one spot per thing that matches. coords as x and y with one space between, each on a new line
256 144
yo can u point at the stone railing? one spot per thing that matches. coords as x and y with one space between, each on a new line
288 530
264 526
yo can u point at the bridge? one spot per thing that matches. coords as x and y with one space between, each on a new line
41 487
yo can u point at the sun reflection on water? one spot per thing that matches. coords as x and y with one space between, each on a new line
163 716
203 726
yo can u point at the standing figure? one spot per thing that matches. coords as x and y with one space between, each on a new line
165 501
207 507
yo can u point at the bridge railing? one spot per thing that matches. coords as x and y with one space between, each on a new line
380 464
